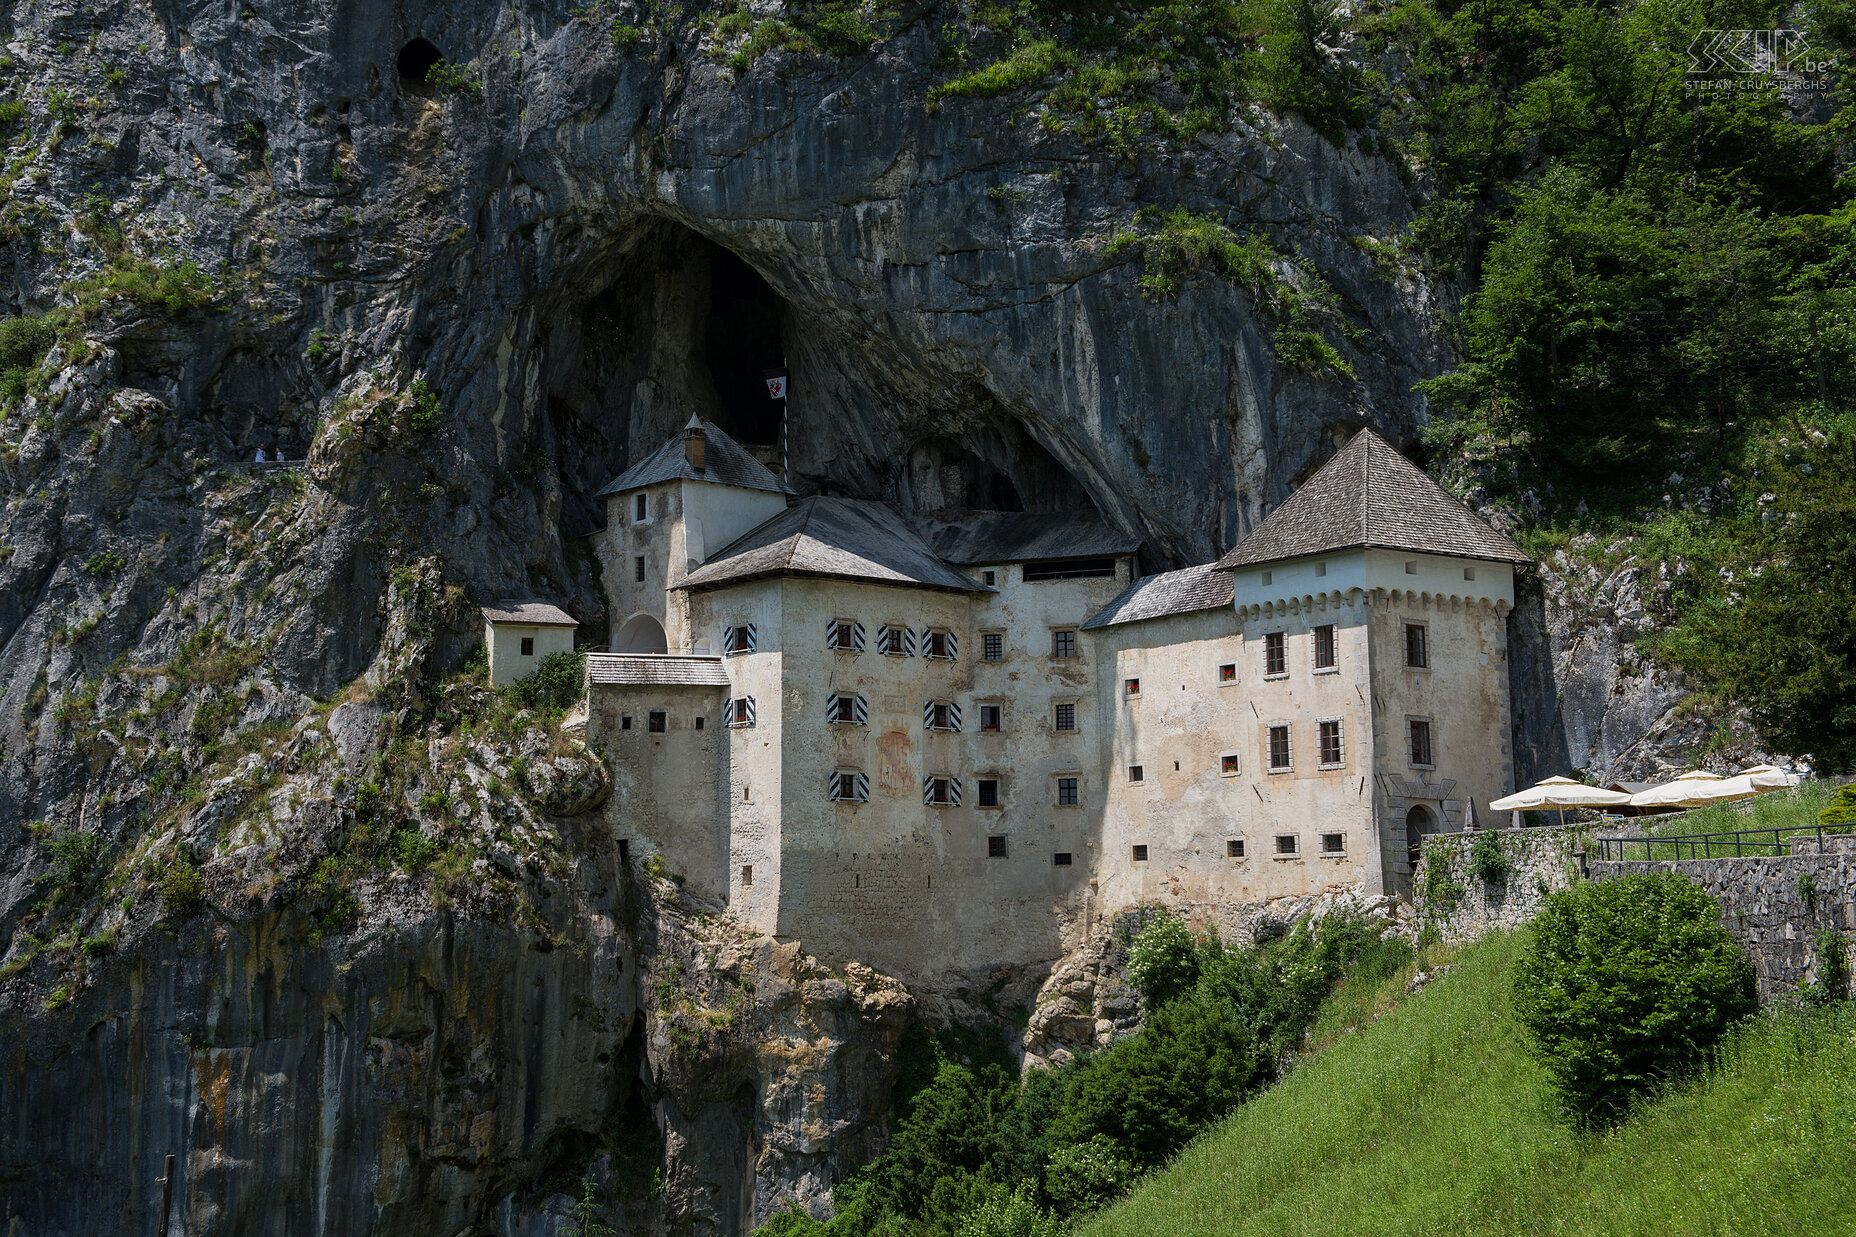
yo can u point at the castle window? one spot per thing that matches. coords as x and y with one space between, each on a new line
638 568
1420 730
992 646
699 722
940 644
1267 578
1280 755
739 639
1140 853
1411 566
658 721
528 646
992 718
1333 843
844 635
1062 859
1324 647
1227 673
1063 643
1229 764
1469 573
1234 849
940 715
989 792
848 786
641 508
747 874
1130 687
1066 791
995 846
990 578
738 711
1137 773
895 641
1288 844
847 710
1328 735
1321 569
1275 653
625 721
941 791
1417 646
1065 718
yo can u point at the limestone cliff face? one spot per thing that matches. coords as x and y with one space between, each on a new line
466 310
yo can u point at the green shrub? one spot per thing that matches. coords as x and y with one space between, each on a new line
1026 66
183 888
1626 984
24 341
411 849
556 684
1833 969
1841 811
1487 861
1083 1176
456 78
74 857
842 33
1163 961
1010 1214
1438 889
426 412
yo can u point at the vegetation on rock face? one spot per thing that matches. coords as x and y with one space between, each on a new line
977 1151
1626 985
1426 1113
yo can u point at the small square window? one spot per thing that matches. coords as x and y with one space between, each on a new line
1227 672
1130 687
941 716
989 792
1469 573
1288 844
1063 644
1229 765
844 634
844 710
1333 843
1137 773
625 721
1140 853
1066 791
1324 647
894 641
995 846
992 718
1411 566
699 722
738 639
940 645
641 508
992 646
528 646
659 721
638 568
747 874
1062 859
1275 653
1321 569
1268 578
1417 646
940 791
990 577
1281 758
1234 849
1066 717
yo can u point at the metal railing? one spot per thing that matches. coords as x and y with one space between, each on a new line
1743 843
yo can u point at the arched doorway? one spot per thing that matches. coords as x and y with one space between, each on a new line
641 634
1418 822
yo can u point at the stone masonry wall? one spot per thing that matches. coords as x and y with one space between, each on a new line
1463 907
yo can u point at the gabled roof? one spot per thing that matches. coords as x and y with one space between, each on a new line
1369 495
1190 589
661 669
532 613
1025 536
845 537
725 462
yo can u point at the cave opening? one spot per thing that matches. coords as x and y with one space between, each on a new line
416 60
741 343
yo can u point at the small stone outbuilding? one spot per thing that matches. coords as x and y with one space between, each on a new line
518 634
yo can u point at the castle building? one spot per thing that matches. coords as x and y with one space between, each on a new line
942 743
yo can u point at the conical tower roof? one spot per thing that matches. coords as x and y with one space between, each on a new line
1370 496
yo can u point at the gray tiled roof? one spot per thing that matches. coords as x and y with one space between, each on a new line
1171 592
845 537
1025 536
1370 495
665 669
725 462
538 613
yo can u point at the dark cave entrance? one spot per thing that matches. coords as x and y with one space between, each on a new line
415 61
741 343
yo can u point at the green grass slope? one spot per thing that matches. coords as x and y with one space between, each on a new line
1433 1119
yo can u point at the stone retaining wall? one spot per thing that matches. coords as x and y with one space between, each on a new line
1462 907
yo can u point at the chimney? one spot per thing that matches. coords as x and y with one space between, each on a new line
694 444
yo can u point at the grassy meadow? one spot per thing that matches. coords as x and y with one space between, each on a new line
1424 1114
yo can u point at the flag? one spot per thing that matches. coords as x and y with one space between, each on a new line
776 383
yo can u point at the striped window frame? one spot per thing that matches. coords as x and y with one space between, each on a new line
855 781
943 715
844 636
739 639
860 710
906 642
738 711
941 790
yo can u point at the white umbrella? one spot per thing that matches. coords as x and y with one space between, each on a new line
1696 788
1561 793
1758 780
